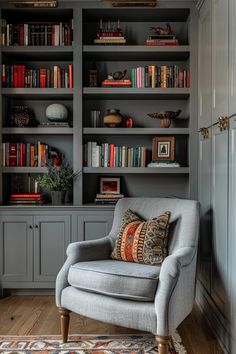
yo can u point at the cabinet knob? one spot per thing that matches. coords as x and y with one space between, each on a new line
30 227
36 226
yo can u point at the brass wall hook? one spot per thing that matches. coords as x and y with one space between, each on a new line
223 123
204 132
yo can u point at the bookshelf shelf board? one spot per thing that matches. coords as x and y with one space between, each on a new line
38 131
136 52
24 169
48 53
38 93
135 93
146 170
136 131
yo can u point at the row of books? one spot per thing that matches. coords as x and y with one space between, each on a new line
36 33
160 76
107 198
109 155
26 154
26 198
18 76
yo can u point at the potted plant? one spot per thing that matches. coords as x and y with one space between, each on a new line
57 180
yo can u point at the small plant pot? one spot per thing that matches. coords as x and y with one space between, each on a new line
58 197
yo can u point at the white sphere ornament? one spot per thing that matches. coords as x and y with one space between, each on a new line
57 112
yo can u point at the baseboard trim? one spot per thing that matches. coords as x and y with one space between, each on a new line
28 292
215 320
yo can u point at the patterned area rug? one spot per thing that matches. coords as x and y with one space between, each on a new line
86 344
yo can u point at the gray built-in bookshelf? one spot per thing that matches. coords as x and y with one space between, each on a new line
33 239
133 102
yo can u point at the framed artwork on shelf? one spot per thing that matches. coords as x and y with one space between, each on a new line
163 148
110 185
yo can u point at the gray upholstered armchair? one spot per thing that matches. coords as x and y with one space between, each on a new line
145 297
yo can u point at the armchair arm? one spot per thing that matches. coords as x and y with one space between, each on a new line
175 290
80 252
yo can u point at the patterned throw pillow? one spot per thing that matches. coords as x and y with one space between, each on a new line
142 241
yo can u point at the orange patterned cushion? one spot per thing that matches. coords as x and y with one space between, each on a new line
142 241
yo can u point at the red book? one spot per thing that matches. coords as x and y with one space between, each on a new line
13 154
112 155
181 77
21 31
21 154
15 76
43 78
25 195
70 76
22 76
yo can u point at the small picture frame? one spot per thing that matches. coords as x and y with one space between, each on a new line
110 185
163 148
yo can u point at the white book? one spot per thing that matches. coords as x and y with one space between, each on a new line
106 155
61 36
123 160
57 35
95 156
26 34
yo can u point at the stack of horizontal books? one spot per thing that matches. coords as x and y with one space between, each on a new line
110 33
108 198
161 40
26 198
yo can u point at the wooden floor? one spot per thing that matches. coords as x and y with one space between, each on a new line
22 315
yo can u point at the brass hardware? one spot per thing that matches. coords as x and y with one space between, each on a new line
204 132
223 123
35 3
36 226
135 3
30 227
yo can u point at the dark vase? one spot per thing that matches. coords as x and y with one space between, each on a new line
58 197
22 117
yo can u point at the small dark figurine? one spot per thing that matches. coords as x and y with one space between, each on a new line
118 75
162 31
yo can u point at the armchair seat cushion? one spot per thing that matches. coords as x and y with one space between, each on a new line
119 279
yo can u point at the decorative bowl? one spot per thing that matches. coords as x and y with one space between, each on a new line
165 117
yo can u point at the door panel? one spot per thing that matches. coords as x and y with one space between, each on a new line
232 223
16 245
220 219
94 226
52 235
220 58
205 244
205 65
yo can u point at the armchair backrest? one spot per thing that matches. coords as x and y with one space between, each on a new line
184 218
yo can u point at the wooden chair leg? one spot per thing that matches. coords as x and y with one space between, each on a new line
163 344
65 320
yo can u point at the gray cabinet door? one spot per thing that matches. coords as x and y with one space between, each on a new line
232 226
205 64
52 234
205 243
220 219
205 150
16 247
94 226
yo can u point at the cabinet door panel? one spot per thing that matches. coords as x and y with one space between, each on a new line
220 58
205 65
205 244
232 224
91 227
51 237
16 247
220 219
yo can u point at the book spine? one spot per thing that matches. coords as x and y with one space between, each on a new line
12 154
